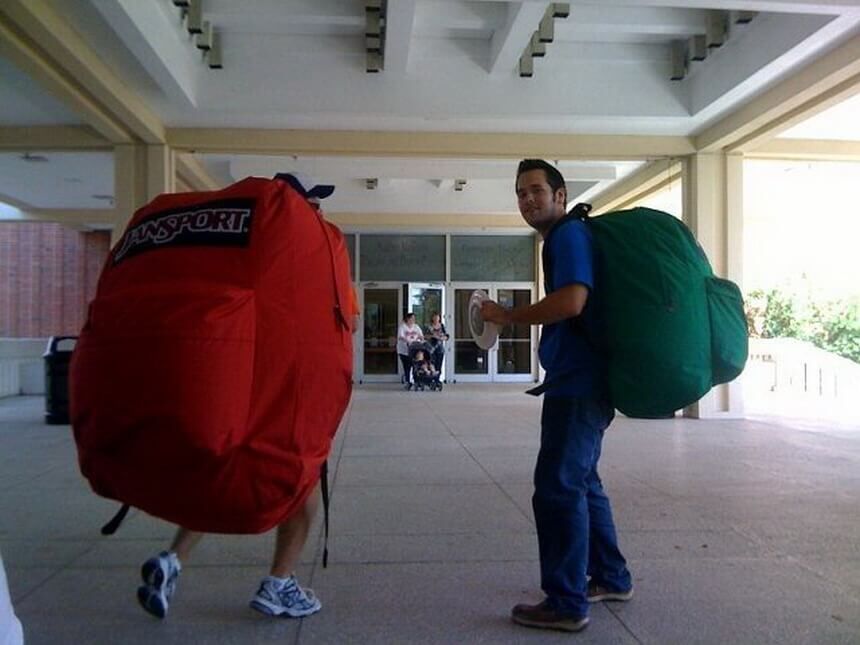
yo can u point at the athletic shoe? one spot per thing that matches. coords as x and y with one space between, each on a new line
159 575
599 593
543 616
279 597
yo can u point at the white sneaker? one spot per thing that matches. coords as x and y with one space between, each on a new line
159 575
278 597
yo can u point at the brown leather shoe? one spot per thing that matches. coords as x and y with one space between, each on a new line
543 616
599 593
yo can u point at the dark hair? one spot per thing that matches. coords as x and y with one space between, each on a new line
553 177
408 314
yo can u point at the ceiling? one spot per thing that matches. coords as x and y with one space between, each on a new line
447 67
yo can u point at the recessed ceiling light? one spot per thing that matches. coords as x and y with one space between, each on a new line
33 158
106 198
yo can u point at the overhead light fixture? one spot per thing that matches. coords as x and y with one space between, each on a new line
527 69
374 62
373 24
698 48
459 185
715 29
371 183
560 9
194 17
743 17
679 60
31 158
204 38
537 47
546 28
374 36
213 56
545 33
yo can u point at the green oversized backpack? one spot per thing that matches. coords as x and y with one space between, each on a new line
673 329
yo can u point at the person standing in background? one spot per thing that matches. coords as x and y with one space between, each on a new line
408 332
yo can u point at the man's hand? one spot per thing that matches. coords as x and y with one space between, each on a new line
493 312
567 302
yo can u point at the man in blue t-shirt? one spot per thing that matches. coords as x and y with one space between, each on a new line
579 556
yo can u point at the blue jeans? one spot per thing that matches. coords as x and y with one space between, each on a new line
576 534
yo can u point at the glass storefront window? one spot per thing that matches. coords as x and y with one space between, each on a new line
402 258
499 258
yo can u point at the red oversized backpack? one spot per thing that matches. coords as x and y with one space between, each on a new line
216 361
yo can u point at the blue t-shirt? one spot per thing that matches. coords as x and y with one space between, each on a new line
568 349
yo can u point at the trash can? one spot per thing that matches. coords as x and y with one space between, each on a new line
57 361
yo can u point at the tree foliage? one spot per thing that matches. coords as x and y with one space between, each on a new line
832 326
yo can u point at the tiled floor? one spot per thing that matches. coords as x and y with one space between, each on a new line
736 532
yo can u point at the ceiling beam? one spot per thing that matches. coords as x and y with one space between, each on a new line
52 137
193 173
70 57
644 182
69 216
778 6
337 168
399 23
808 149
510 39
161 46
441 221
14 202
821 84
466 145
22 51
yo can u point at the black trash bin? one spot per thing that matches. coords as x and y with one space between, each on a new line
57 361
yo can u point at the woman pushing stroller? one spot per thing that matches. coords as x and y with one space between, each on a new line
409 332
437 335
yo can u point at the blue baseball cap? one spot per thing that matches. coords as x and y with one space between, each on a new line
306 186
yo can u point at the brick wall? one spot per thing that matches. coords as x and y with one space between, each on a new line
48 275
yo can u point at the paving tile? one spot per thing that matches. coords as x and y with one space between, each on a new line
424 510
493 546
457 468
736 531
210 606
363 445
438 603
742 600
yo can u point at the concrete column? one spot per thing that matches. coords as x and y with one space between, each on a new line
141 172
160 171
713 209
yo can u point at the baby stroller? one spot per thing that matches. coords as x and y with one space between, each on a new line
424 374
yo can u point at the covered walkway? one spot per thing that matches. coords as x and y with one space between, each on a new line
736 531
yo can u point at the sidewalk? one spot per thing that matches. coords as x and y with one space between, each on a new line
736 532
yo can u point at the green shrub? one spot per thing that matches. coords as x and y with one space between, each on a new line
832 326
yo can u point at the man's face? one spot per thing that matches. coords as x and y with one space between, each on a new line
539 206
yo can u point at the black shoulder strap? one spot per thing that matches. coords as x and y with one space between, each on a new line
111 527
580 212
325 501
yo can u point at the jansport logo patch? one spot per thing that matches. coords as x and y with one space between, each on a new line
221 223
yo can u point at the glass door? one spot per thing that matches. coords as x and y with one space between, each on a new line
512 358
425 299
471 363
381 312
